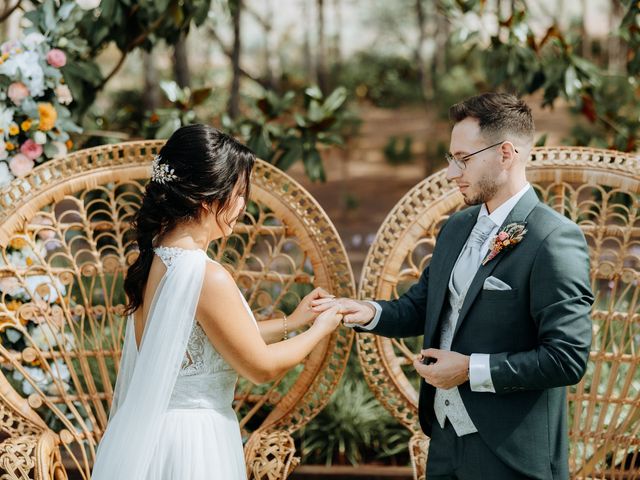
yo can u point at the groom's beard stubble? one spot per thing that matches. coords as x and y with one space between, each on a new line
486 190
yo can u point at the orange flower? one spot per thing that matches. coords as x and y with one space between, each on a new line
9 146
18 243
13 305
26 125
48 116
154 118
68 144
29 261
13 129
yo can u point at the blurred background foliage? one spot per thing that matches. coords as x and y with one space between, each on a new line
289 83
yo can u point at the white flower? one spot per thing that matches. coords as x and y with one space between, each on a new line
40 137
11 286
32 40
29 65
60 371
3 151
62 149
88 4
13 336
63 94
5 174
6 118
45 337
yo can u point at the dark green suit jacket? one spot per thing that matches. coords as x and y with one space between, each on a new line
538 333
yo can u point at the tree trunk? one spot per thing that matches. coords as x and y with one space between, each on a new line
336 53
586 39
181 70
306 46
234 98
151 94
320 54
268 51
418 55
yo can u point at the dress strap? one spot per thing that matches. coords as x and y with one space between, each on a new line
168 255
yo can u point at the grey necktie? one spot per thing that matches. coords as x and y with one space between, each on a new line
470 257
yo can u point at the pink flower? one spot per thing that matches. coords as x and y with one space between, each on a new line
17 92
31 149
502 236
20 165
56 58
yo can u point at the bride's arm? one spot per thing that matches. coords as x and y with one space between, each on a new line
234 335
273 330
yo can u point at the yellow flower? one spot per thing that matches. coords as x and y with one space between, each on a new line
48 116
9 146
29 261
68 144
13 129
13 305
506 243
18 242
26 125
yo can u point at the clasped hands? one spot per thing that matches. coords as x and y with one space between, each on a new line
441 368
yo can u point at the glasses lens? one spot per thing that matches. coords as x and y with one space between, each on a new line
452 159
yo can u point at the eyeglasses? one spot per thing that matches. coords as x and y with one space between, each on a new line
461 162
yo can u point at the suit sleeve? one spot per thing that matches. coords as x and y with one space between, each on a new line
560 306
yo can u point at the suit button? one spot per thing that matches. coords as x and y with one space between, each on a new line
446 402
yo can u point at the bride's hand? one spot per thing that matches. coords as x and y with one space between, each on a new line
328 320
303 314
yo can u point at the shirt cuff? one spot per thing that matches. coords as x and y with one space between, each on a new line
480 373
372 324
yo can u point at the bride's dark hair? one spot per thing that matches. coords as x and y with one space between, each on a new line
208 165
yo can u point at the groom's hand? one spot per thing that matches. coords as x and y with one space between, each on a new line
445 369
355 312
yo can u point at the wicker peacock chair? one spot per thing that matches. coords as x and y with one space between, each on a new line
65 243
600 191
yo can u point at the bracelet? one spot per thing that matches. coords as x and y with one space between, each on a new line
284 322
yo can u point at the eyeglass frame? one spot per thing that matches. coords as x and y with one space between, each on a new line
461 162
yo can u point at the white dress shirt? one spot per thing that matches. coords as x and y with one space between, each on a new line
479 364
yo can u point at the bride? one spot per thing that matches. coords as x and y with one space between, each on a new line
189 330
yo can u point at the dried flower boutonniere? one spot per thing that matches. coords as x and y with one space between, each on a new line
507 238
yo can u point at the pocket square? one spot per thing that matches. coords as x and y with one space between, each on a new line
493 283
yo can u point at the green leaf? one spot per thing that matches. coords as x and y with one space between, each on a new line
335 100
571 82
290 156
49 15
65 10
314 92
172 91
542 141
168 128
313 165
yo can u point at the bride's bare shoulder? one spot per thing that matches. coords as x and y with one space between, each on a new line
217 281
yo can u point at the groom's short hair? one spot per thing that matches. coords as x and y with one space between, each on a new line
501 116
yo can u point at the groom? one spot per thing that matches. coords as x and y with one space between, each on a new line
506 323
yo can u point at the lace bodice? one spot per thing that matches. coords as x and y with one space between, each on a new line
205 379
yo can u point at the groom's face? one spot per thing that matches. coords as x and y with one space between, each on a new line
478 181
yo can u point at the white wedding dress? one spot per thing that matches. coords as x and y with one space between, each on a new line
172 415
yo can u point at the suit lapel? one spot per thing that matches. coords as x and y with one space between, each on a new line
518 215
450 252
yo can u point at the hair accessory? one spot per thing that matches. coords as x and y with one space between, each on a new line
161 172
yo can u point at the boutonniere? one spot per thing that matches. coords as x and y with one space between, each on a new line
507 238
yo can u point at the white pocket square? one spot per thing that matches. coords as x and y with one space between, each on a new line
493 283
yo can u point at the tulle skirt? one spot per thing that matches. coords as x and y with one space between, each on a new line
199 444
